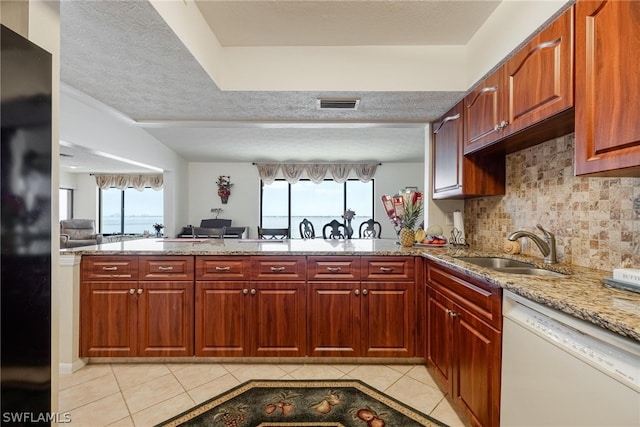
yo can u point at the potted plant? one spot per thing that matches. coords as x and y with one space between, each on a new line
158 228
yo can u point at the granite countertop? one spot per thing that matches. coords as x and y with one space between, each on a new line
153 246
579 293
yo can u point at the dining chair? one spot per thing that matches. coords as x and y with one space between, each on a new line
306 229
370 229
211 233
334 230
273 233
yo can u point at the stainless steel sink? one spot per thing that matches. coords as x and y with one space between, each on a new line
531 271
511 266
495 262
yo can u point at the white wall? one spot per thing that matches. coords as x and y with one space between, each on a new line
243 206
88 123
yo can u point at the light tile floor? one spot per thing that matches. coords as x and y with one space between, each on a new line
145 394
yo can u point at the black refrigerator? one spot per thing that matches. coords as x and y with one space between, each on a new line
25 226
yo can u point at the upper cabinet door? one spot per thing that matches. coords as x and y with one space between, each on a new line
607 88
447 153
483 113
539 77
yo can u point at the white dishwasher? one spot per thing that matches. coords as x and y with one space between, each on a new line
558 370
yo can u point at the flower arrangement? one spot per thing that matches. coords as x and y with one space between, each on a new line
224 187
348 214
404 210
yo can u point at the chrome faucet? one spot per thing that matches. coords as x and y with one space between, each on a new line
546 246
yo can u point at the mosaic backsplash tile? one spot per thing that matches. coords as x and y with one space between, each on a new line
596 220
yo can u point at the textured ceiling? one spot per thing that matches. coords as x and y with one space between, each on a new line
123 54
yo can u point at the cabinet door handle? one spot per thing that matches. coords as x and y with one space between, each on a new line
365 292
447 119
278 268
253 291
451 313
334 269
165 268
386 269
245 291
132 291
357 292
140 291
227 268
114 268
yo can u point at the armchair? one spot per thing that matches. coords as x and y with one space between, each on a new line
78 232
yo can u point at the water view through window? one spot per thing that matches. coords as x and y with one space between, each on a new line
319 203
130 211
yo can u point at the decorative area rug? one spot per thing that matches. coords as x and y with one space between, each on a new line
302 403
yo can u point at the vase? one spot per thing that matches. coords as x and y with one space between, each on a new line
407 237
158 233
348 230
224 199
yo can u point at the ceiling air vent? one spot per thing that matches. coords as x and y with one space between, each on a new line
337 104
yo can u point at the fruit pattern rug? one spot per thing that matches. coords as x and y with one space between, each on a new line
302 403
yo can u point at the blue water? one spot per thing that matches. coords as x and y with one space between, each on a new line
133 224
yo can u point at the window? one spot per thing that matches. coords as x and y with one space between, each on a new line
130 211
66 203
285 205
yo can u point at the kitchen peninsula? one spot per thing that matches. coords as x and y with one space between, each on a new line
349 300
580 294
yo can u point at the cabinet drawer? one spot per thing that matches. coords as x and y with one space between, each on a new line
227 268
278 268
166 267
388 268
109 267
482 300
333 268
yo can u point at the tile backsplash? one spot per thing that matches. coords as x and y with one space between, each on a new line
596 220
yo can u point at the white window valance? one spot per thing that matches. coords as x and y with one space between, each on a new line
316 172
121 182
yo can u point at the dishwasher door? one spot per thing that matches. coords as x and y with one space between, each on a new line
555 375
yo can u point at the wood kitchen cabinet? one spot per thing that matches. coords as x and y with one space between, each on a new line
136 306
607 136
250 306
388 307
464 323
278 306
221 307
456 175
165 306
532 90
372 317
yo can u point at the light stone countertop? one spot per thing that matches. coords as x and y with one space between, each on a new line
580 293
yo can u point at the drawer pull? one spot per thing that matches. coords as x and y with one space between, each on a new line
386 269
163 268
365 292
245 291
253 291
132 291
227 268
140 290
357 292
278 268
334 269
114 268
